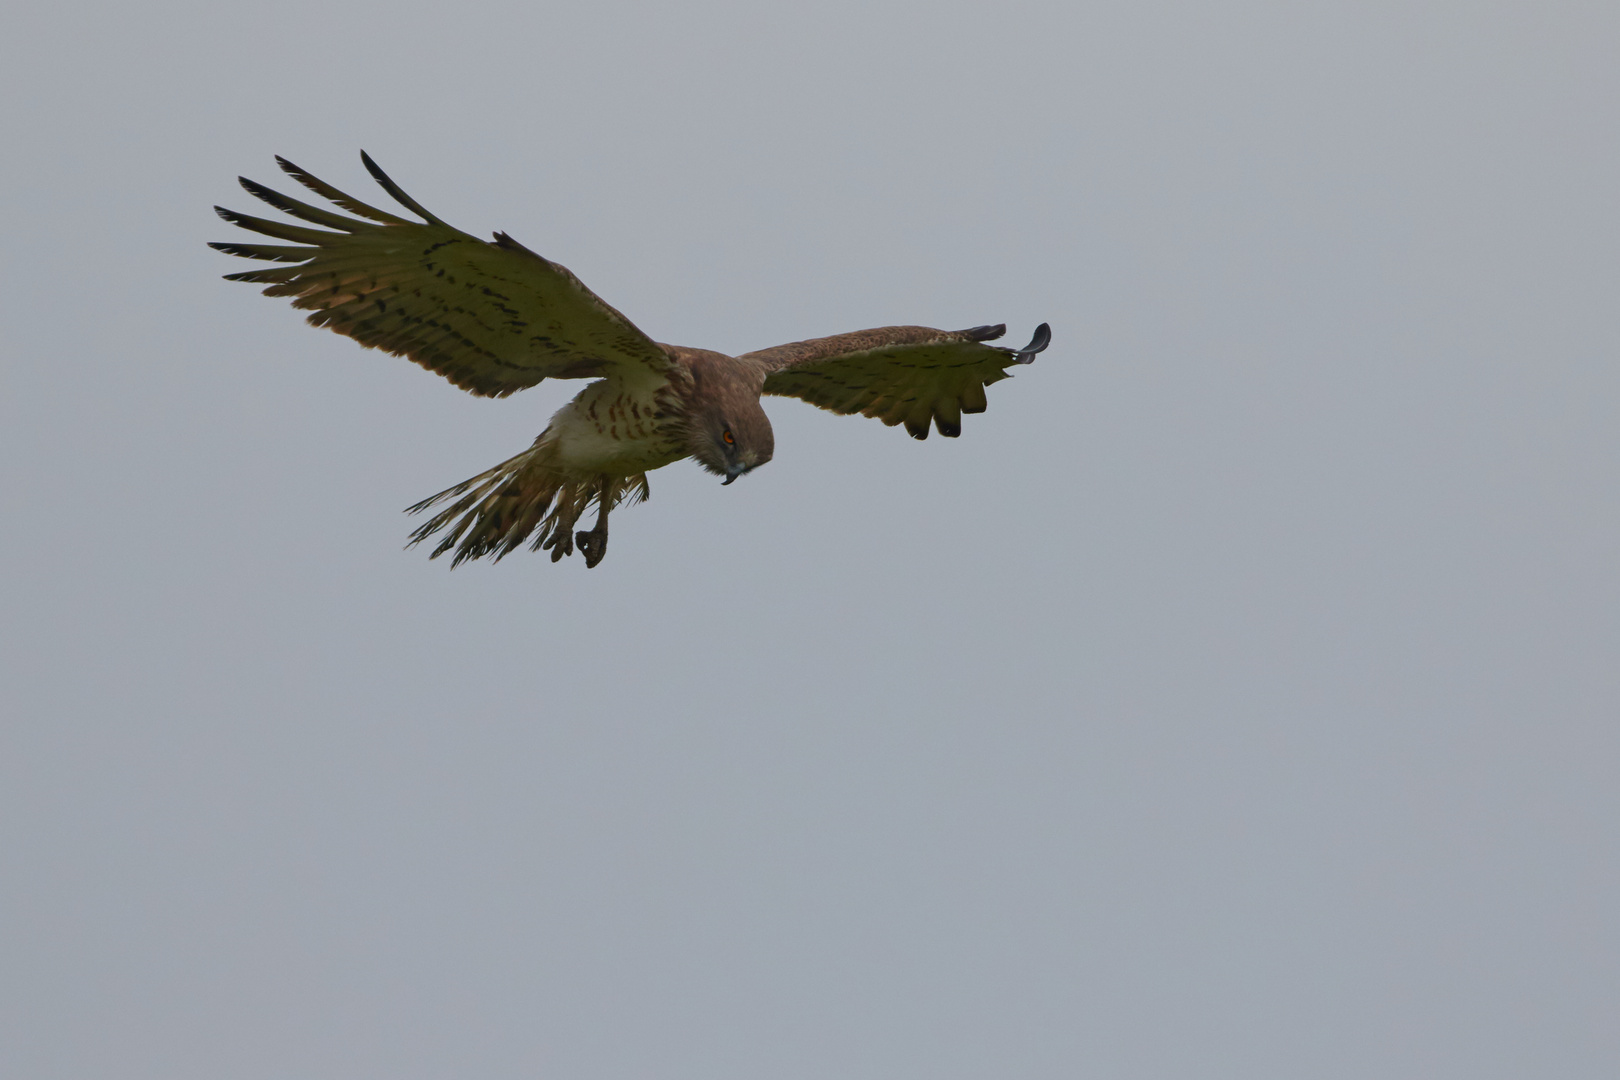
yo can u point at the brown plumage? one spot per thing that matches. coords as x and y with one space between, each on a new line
494 318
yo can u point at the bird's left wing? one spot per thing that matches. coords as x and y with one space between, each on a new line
899 374
490 317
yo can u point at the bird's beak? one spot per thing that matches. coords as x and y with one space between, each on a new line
729 478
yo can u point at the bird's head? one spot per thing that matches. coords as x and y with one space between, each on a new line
727 431
731 442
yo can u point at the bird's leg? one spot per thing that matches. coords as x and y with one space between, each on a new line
560 542
593 544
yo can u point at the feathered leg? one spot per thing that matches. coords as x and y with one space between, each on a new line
614 490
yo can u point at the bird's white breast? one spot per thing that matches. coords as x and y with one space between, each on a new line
613 427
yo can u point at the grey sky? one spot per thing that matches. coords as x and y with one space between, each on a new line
1236 698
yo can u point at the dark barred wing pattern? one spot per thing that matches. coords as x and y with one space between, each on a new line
910 375
492 318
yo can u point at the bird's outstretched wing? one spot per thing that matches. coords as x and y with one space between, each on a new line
490 317
900 374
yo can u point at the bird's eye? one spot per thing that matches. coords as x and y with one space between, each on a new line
726 435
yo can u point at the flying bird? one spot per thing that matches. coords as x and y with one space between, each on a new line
495 318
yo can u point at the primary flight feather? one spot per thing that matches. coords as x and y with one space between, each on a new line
494 318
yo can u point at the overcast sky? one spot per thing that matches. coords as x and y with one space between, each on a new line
1237 698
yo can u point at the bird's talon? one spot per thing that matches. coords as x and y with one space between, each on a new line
593 545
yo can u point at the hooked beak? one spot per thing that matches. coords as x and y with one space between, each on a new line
732 474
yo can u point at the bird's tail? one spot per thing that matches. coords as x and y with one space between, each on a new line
494 512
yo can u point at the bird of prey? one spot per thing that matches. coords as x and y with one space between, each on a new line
495 318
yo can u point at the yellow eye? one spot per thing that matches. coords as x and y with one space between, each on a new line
726 435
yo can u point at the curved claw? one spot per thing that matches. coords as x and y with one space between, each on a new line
1042 338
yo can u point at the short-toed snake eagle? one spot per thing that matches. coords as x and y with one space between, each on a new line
494 318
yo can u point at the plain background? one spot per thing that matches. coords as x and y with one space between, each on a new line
1236 698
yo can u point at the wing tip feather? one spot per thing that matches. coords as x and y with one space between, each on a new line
988 332
346 201
388 185
503 240
1038 343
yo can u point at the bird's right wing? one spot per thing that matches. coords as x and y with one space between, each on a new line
898 374
490 317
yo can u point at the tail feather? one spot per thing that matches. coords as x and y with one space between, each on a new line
493 513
